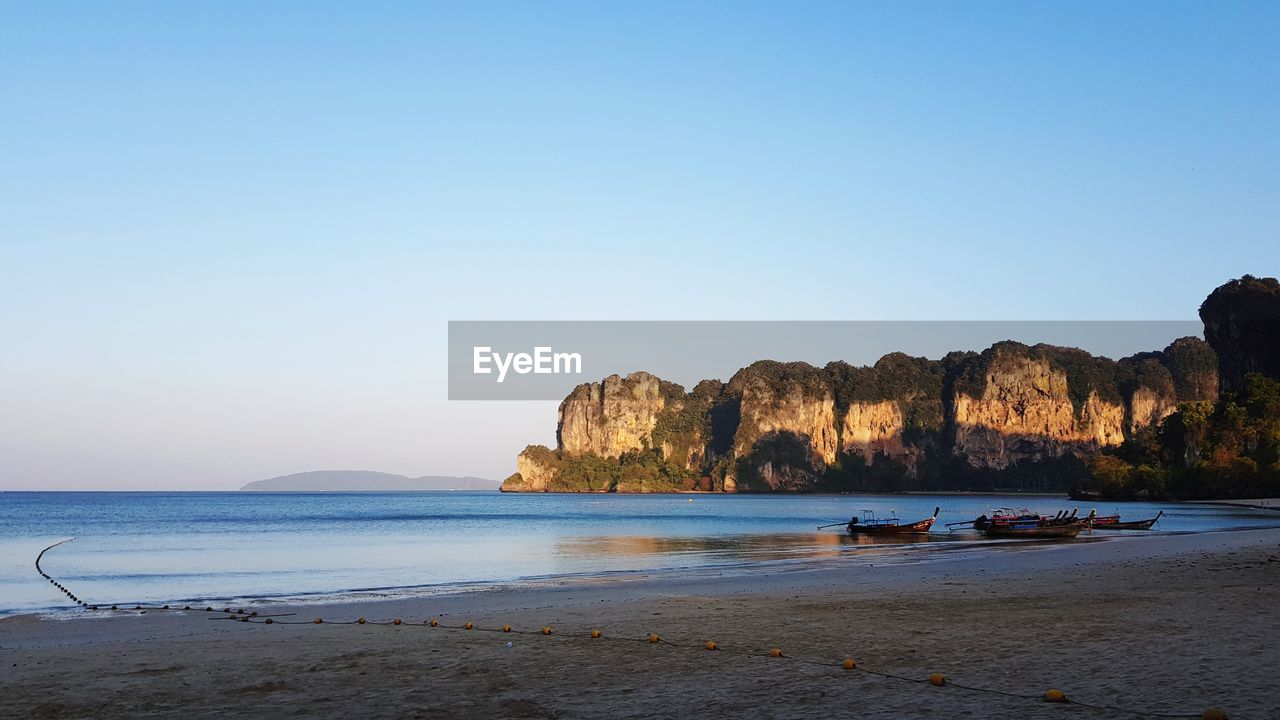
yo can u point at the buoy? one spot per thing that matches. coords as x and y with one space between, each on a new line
360 621
166 607
209 609
595 633
711 645
1213 714
186 607
435 623
318 621
468 626
1055 696
937 679
396 621
850 663
506 628
253 614
775 652
137 607
653 638
546 631
269 621
113 607
240 611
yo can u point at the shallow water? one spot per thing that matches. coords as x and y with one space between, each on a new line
198 547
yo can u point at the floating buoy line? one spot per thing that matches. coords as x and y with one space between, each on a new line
849 665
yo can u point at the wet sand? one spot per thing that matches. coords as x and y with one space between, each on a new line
1162 623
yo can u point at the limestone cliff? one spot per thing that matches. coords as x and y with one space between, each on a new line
1024 412
969 420
786 435
612 417
1242 323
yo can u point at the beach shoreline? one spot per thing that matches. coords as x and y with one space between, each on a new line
1171 622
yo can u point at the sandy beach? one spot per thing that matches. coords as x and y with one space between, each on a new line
1164 623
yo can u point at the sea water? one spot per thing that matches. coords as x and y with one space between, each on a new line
195 548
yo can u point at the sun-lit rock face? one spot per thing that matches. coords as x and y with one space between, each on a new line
1148 407
537 470
1025 413
612 417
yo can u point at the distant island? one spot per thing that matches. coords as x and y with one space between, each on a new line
1199 419
366 480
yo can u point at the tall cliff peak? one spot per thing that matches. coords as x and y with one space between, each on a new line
1242 324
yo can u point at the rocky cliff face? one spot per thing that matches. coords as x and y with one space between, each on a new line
1025 413
1242 324
793 427
612 417
786 435
872 429
1148 408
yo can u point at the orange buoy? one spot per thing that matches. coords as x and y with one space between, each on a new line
937 679
595 633
318 621
546 631
468 626
1056 696
775 652
435 623
850 663
1213 713
653 638
712 645
506 628
269 621
360 621
396 621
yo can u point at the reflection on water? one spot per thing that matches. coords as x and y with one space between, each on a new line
151 547
731 548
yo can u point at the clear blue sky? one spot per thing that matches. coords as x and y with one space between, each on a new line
231 234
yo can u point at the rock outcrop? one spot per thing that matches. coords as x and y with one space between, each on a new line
1242 324
612 417
1025 412
786 435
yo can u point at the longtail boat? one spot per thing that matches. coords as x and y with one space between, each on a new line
1112 522
869 525
1061 525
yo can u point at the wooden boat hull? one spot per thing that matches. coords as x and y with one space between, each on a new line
920 527
915 528
1131 525
1047 531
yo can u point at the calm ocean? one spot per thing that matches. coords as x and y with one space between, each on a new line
207 547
